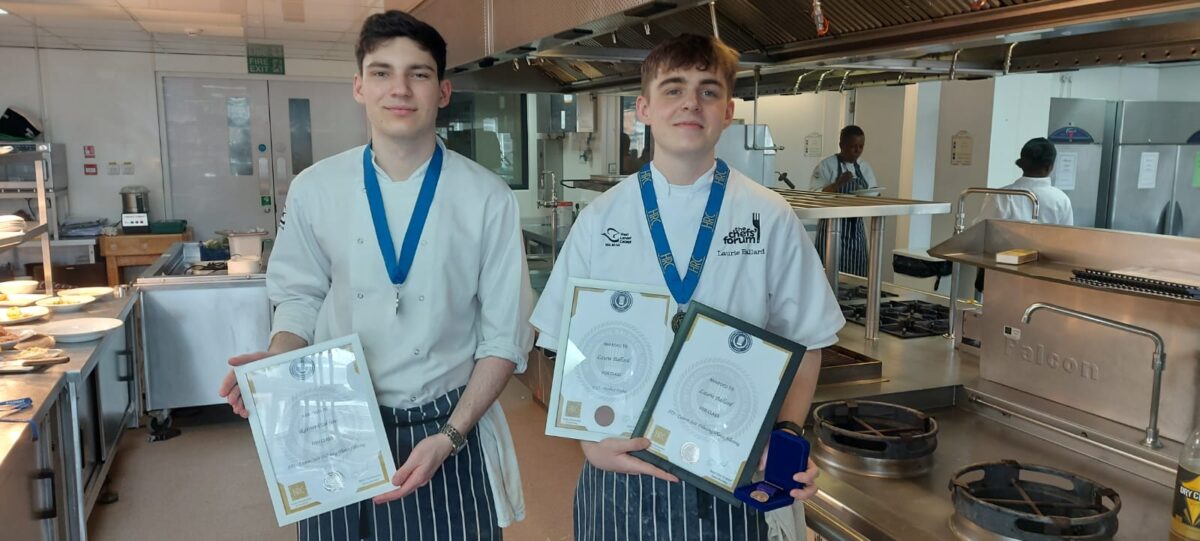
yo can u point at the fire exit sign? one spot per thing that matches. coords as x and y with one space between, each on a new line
264 58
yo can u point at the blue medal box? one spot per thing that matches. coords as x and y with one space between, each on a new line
787 456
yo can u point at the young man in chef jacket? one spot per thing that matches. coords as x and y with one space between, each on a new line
760 267
441 337
1038 156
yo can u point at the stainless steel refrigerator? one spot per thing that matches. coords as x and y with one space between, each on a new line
1156 185
1084 134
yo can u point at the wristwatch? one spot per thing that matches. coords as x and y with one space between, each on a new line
456 439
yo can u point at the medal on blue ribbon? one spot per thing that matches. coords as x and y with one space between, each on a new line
682 289
398 268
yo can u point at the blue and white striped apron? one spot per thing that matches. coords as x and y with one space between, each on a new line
455 505
613 506
853 259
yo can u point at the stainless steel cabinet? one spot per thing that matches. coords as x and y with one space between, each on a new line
33 482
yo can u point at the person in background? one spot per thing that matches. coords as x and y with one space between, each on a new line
846 172
1054 207
763 270
440 341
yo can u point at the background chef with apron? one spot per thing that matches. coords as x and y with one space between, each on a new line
846 172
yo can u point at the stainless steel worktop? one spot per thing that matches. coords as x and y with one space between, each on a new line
821 205
40 386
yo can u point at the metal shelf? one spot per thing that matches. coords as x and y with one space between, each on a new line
14 241
821 205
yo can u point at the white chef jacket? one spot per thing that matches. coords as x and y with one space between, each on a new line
1054 207
826 172
466 297
761 268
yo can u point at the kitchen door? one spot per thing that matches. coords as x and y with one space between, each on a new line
234 145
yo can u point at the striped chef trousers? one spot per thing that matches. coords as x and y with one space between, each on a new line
613 506
455 505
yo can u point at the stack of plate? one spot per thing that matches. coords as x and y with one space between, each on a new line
12 224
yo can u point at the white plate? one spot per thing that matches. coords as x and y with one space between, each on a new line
22 299
97 292
868 192
21 335
28 313
18 286
84 329
77 302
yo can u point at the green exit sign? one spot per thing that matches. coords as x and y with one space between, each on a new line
264 58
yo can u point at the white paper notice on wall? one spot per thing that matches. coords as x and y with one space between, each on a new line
1148 171
812 145
1064 171
961 147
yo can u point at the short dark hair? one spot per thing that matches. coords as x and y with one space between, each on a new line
686 51
381 27
1038 153
851 131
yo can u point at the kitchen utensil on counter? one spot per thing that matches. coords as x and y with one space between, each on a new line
20 299
66 303
84 329
18 287
135 213
97 292
245 243
36 341
240 264
15 315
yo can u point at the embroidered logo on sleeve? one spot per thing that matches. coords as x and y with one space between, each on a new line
612 237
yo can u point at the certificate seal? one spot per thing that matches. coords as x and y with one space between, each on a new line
302 368
690 452
621 301
334 482
616 360
740 342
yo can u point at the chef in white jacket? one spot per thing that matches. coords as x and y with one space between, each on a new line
1036 163
758 266
418 250
1054 206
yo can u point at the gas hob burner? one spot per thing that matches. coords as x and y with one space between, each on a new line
854 293
876 439
1014 501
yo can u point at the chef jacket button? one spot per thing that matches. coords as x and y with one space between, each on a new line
421 298
360 295
360 241
416 351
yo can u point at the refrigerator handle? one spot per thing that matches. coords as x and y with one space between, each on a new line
1163 220
1177 222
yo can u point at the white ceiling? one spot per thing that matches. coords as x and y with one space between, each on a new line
317 29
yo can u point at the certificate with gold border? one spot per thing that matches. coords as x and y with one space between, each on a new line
317 428
716 399
613 340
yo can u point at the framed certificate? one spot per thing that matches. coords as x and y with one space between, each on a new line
317 427
716 399
613 340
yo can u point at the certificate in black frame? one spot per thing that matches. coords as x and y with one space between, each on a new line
745 476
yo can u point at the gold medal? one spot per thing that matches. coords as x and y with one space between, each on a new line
760 496
676 321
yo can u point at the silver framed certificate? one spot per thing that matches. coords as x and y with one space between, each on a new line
317 428
611 346
716 400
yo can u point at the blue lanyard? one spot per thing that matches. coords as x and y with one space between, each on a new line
683 289
398 269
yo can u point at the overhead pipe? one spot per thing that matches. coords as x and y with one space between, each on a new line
842 87
954 65
754 122
821 80
712 12
795 88
1008 57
